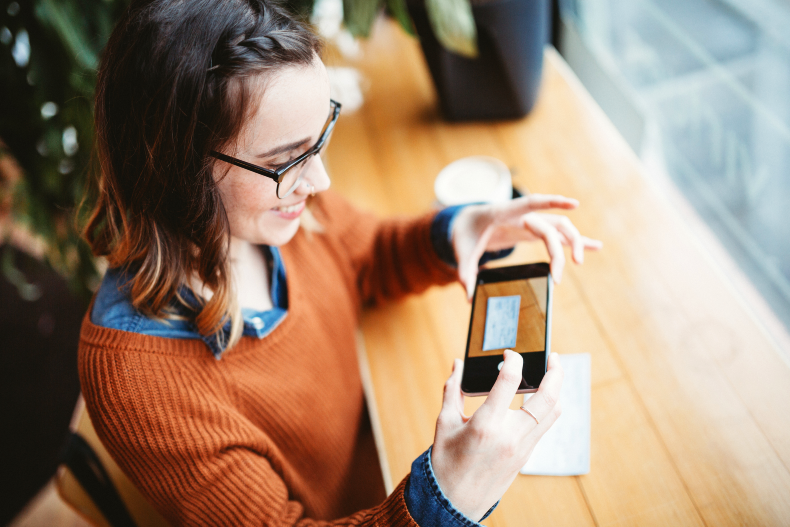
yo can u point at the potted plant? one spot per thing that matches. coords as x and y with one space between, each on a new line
500 78
49 53
485 56
48 57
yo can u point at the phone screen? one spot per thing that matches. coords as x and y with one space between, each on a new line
508 313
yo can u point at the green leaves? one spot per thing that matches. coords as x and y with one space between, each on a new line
453 25
66 21
451 20
65 42
399 11
359 15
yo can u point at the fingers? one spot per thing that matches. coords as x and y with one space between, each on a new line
453 400
550 237
470 237
591 244
535 202
543 403
524 205
570 236
573 237
505 387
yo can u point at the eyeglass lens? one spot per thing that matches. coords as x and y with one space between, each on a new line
294 176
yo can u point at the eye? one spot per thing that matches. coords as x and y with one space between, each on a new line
288 157
279 161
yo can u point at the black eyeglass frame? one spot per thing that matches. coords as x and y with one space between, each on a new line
279 174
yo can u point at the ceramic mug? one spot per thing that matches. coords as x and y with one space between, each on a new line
476 179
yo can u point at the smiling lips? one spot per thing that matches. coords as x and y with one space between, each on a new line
289 212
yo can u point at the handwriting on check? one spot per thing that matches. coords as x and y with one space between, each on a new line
501 322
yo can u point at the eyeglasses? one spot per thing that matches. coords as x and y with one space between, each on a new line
290 175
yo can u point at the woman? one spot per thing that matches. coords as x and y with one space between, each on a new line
217 360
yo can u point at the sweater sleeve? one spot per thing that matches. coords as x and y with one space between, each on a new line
389 258
197 459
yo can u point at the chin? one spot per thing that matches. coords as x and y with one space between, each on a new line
282 235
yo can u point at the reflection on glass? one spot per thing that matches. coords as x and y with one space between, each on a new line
710 79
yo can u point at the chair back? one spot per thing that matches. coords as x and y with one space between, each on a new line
93 484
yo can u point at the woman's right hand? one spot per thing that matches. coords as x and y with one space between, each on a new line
475 459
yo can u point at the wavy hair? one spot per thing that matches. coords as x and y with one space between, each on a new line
176 81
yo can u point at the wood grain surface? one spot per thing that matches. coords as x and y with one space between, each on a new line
690 412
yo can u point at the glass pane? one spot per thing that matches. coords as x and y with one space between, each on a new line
712 78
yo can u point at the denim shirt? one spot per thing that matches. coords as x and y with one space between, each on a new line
112 309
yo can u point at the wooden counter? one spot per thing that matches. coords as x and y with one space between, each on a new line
690 396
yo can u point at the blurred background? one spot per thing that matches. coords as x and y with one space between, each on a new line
698 88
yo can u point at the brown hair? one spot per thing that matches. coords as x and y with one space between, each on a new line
175 82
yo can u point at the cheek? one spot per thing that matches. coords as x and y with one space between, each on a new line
246 200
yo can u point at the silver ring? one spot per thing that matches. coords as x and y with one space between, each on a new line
531 415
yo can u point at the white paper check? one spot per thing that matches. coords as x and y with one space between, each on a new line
565 449
501 322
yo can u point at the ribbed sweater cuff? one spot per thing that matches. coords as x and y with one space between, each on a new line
394 511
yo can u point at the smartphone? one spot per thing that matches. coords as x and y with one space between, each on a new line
511 309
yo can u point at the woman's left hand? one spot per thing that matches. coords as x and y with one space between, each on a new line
493 227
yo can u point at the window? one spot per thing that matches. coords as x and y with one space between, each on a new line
701 90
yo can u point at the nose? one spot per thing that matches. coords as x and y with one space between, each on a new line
315 178
317 174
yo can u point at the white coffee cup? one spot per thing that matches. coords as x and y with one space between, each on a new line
476 179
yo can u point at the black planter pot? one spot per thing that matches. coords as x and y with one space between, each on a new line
503 81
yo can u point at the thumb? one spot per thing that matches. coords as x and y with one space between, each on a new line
468 261
468 277
452 412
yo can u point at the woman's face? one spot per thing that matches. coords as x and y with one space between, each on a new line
292 112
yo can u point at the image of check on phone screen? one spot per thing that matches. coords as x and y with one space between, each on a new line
511 309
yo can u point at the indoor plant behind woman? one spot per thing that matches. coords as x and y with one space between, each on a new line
220 319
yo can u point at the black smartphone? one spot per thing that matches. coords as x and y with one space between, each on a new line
511 309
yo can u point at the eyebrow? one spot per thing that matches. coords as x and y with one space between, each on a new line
283 148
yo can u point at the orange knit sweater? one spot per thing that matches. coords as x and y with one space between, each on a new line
266 435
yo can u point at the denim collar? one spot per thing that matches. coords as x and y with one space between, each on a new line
112 308
256 323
